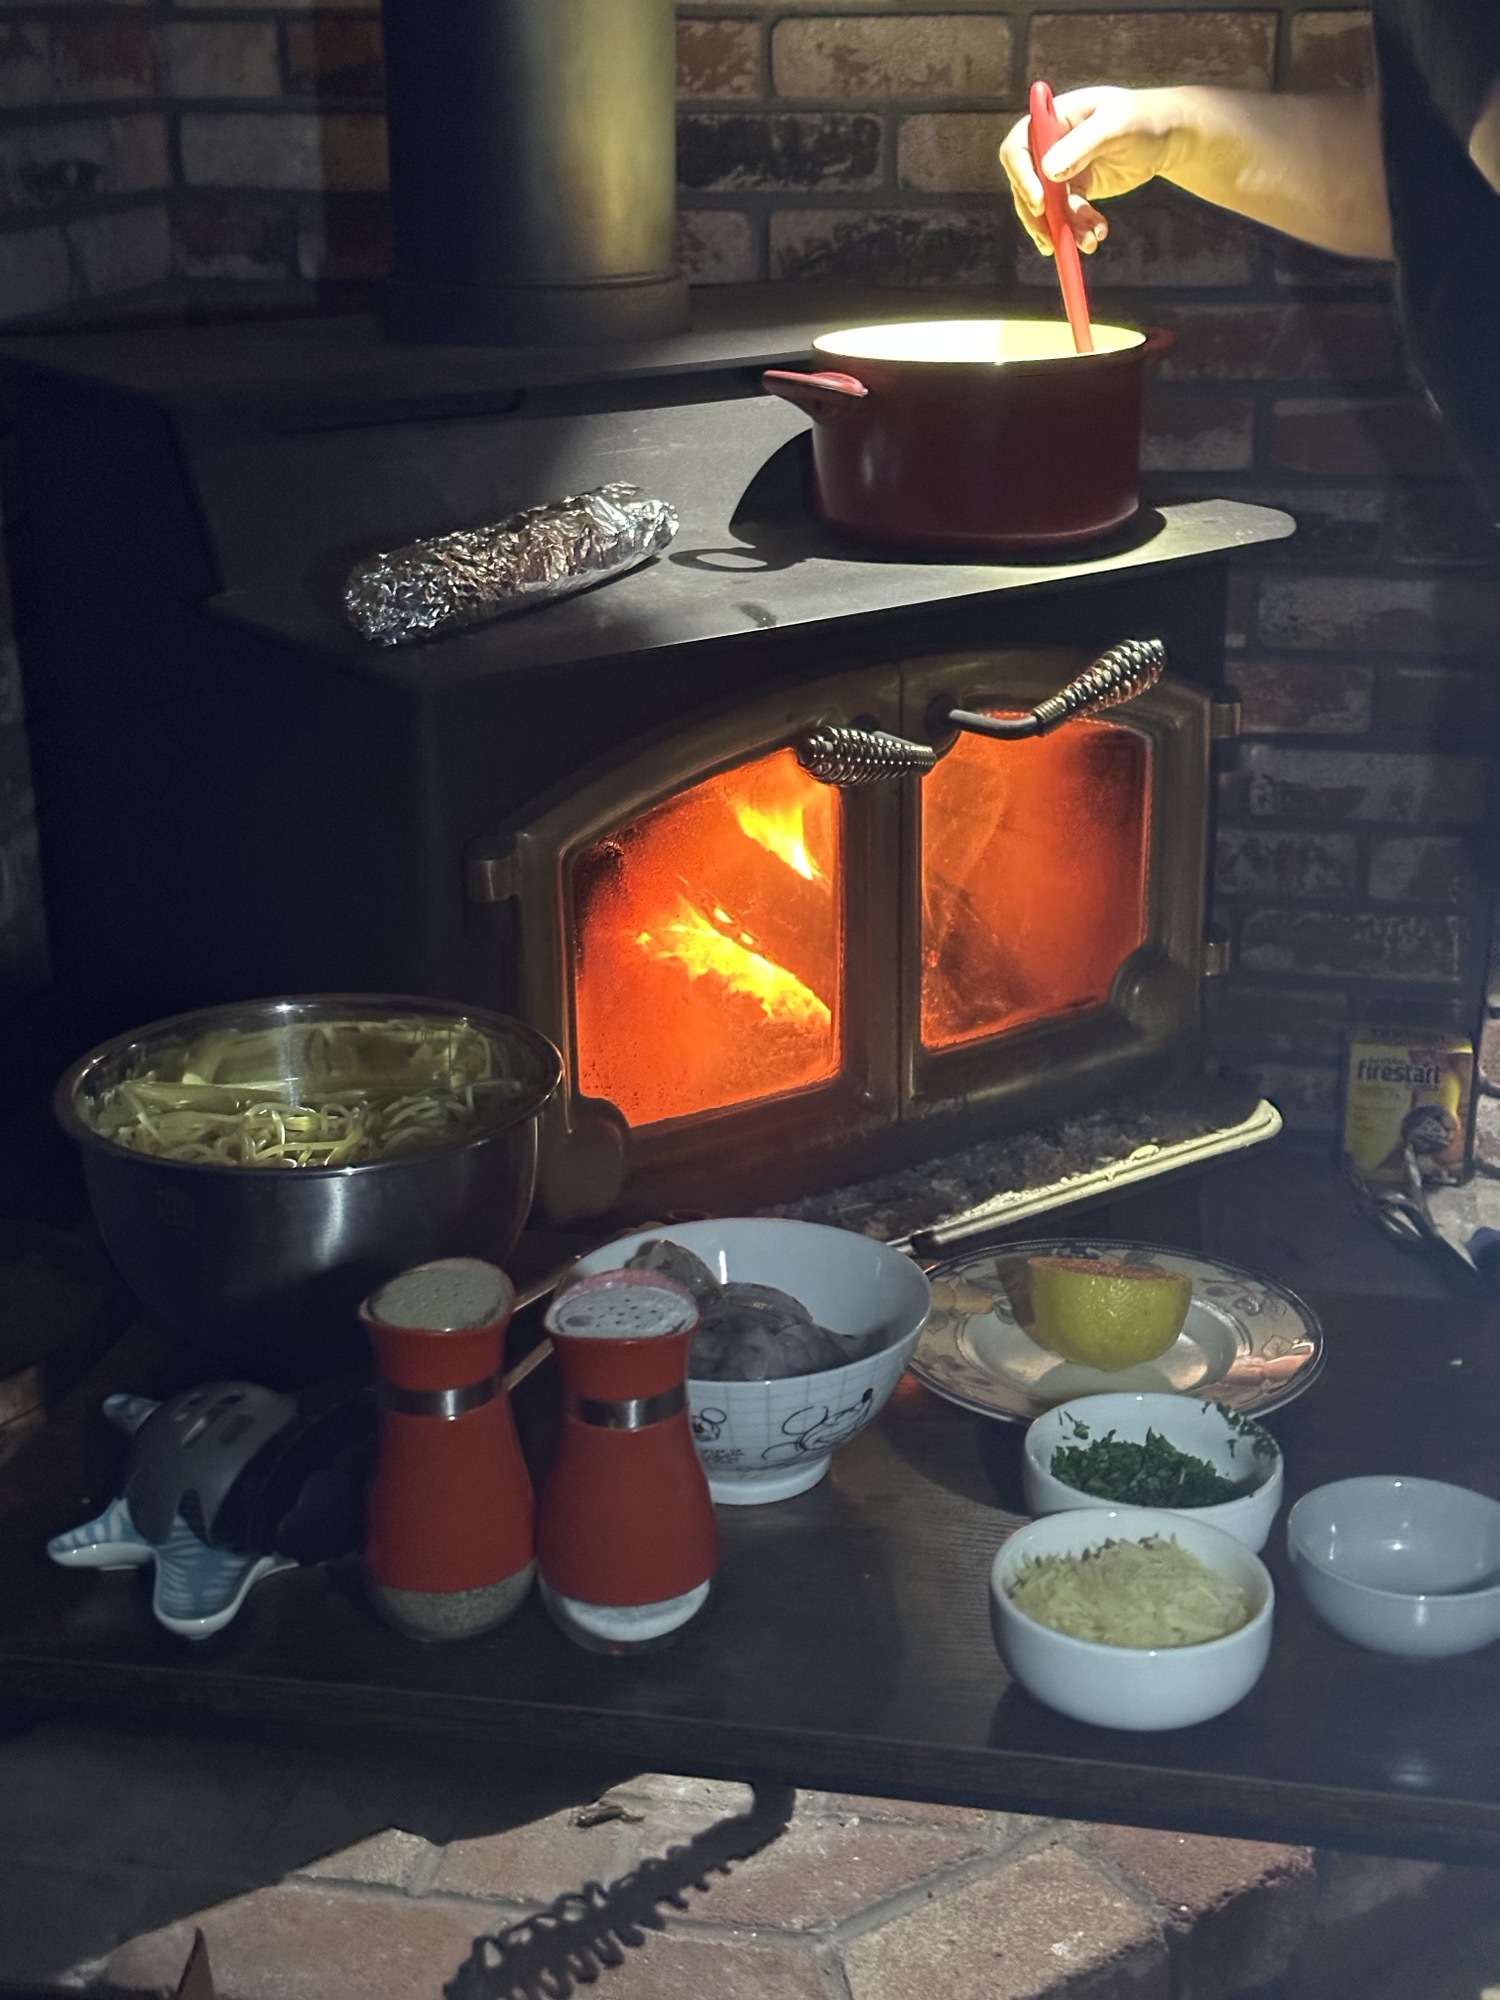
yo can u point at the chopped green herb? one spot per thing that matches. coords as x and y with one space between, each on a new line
1153 1474
1260 1440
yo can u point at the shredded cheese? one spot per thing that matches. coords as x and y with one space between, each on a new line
1146 1593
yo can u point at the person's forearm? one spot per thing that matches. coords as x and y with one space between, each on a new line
1310 166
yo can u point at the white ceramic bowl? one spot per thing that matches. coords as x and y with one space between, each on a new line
1408 1566
1131 1687
1201 1429
768 1440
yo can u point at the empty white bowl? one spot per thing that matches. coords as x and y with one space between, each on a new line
1406 1566
764 1441
1201 1429
1131 1687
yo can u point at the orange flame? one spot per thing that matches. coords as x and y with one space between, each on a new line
780 834
693 941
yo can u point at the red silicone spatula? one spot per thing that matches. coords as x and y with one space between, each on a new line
1046 129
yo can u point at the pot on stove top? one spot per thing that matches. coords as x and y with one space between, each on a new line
991 436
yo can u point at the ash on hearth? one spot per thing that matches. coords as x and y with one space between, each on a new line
1024 1174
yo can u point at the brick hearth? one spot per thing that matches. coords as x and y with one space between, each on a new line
113 1851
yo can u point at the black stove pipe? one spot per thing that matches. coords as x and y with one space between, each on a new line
533 162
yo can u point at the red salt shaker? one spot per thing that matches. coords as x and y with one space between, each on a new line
449 1532
626 1538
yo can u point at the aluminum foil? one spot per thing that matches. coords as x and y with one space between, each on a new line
450 581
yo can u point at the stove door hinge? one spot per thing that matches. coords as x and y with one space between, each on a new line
1226 718
1218 952
490 871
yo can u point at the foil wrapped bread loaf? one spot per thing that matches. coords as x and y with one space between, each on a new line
447 582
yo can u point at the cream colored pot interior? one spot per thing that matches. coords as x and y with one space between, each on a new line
993 340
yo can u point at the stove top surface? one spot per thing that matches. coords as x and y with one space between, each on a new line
718 584
328 366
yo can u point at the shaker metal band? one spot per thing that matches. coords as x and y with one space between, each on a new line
439 1402
631 1413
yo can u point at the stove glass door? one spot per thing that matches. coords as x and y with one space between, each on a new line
709 946
1035 859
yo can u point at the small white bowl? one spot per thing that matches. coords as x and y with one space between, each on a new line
1131 1687
764 1441
1202 1429
1405 1566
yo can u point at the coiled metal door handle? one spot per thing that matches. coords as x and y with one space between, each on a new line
845 755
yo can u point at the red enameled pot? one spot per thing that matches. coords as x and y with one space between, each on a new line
992 436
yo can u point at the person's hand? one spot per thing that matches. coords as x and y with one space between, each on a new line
1115 140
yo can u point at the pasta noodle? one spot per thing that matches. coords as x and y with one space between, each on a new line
318 1094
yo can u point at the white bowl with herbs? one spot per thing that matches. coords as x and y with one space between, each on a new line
1178 1453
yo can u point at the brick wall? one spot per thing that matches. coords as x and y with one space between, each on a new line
223 150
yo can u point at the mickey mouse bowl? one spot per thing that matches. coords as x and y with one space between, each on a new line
766 1440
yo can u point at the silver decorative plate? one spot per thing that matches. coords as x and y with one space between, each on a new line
1246 1343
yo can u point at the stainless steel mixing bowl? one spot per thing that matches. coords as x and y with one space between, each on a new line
261 1268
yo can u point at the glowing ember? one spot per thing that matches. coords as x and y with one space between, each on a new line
695 942
781 834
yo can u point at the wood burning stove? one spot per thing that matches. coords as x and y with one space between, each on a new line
595 814
743 963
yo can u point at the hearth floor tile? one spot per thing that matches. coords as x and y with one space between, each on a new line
858 1899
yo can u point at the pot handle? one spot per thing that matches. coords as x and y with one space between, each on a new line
826 398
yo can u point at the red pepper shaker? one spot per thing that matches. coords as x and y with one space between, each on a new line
449 1532
626 1538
